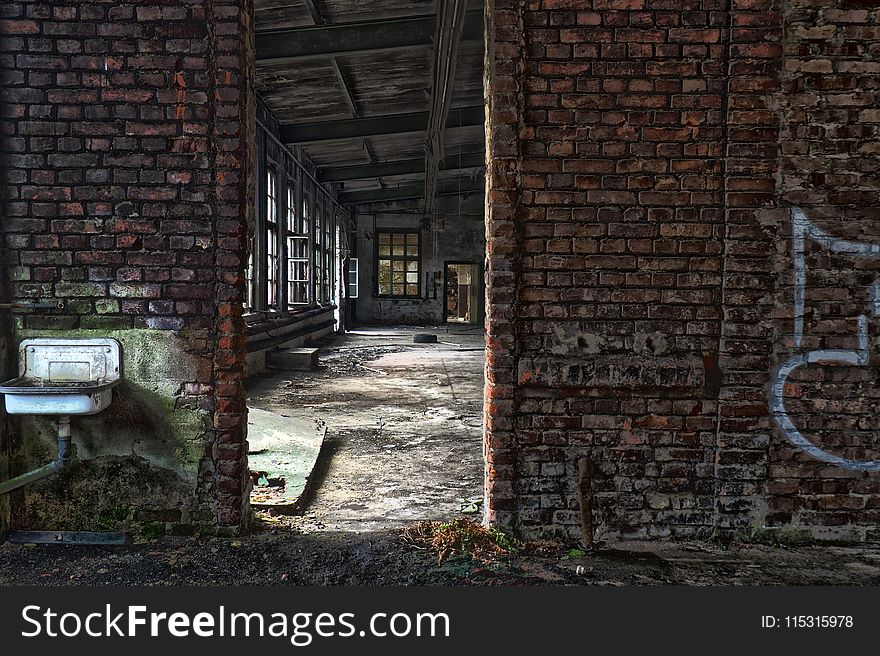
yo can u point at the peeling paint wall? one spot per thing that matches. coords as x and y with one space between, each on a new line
460 237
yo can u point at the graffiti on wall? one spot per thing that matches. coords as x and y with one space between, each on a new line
802 230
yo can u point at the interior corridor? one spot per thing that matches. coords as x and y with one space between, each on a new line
403 427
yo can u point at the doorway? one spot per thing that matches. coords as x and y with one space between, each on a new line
460 290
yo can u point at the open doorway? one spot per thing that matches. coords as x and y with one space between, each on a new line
379 108
460 293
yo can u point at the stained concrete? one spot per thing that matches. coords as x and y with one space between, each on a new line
404 430
282 455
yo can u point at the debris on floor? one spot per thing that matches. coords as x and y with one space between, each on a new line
404 427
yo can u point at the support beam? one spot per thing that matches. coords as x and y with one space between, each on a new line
314 12
355 38
400 167
342 78
444 58
413 191
375 126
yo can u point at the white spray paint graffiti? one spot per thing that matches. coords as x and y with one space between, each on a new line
802 229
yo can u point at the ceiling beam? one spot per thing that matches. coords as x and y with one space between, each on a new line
413 191
314 12
444 58
342 78
375 126
399 167
346 39
318 19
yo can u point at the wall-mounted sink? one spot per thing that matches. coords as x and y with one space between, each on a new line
64 376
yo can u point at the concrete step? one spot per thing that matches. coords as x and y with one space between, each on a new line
297 359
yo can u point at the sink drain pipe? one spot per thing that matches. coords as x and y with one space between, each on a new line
65 455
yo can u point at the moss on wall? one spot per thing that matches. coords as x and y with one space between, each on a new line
145 459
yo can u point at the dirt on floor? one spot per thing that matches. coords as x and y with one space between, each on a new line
403 450
279 553
404 426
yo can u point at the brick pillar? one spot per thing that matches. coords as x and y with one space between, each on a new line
232 136
605 136
752 237
504 85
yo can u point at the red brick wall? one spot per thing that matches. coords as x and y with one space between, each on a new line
643 159
126 187
829 111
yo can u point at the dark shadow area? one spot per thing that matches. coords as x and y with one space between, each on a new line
278 554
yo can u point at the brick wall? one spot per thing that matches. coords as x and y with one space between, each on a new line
644 157
829 111
126 194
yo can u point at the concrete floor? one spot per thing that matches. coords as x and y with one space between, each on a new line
404 426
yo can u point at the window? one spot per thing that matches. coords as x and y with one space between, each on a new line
353 277
271 239
297 253
398 264
318 213
327 268
293 258
249 278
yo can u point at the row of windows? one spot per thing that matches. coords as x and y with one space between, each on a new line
293 256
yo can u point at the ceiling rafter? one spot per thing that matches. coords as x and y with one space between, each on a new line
355 38
409 191
375 125
398 167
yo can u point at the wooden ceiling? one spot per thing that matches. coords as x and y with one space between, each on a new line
345 85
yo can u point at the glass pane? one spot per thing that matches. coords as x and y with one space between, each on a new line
412 277
384 271
384 287
291 210
412 250
384 250
398 265
384 238
412 290
412 266
398 290
398 278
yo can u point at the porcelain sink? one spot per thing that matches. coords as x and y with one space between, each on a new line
64 377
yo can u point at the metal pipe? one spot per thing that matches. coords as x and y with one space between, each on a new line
61 462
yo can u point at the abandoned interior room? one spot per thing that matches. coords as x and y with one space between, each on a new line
594 270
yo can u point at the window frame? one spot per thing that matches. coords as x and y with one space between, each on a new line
353 280
297 241
393 258
271 265
292 260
